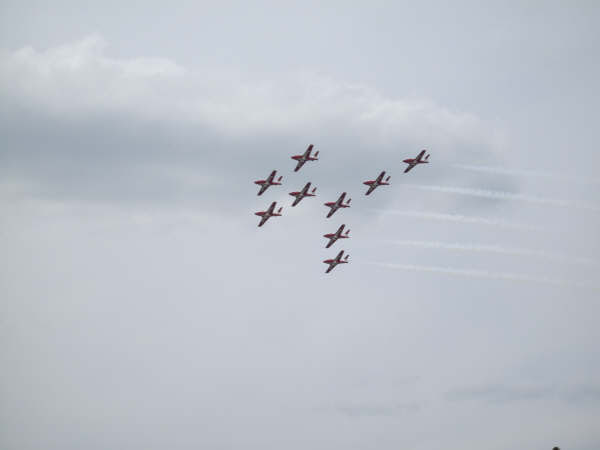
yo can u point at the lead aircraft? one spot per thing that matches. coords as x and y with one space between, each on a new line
373 184
335 261
303 193
264 184
305 157
339 203
412 162
339 234
265 215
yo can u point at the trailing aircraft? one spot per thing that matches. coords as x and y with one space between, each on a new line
335 261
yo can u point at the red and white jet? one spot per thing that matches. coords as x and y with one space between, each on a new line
377 182
264 184
339 203
265 215
339 234
335 261
303 193
412 162
305 157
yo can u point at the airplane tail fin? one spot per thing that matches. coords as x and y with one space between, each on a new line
347 232
279 179
426 157
316 153
346 258
348 202
279 210
314 189
388 178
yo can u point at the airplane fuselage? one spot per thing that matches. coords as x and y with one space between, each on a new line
333 237
265 216
335 206
301 195
303 158
333 263
270 183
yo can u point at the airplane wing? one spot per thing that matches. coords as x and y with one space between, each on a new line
331 211
341 199
271 208
308 150
420 155
410 166
331 242
306 188
263 188
271 176
330 268
263 219
299 165
340 230
296 201
371 188
339 255
380 177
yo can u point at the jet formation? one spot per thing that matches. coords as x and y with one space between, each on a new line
340 203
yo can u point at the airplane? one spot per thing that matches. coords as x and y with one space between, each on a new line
305 157
335 261
412 162
339 203
265 215
377 182
264 184
303 193
339 234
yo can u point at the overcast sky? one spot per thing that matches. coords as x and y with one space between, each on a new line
142 307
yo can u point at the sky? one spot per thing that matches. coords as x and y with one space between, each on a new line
142 307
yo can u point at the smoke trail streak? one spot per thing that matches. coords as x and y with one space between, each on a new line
526 173
497 249
472 273
501 195
463 219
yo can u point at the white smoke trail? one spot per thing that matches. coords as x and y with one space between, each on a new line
497 249
463 219
472 273
527 173
506 196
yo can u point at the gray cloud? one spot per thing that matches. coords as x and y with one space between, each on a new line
81 123
584 394
378 409
500 394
